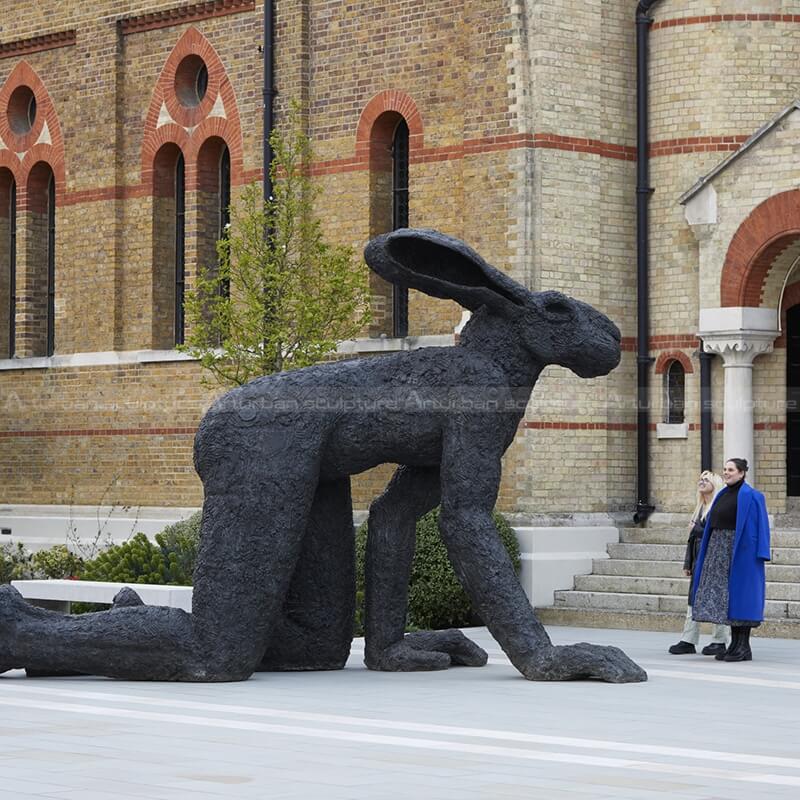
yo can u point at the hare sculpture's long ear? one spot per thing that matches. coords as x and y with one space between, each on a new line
442 266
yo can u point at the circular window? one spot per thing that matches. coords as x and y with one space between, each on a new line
191 81
21 110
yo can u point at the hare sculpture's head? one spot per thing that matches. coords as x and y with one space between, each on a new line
553 328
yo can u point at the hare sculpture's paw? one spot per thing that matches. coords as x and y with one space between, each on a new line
583 661
125 598
426 651
402 657
12 609
463 652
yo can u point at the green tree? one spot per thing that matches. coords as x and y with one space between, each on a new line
281 297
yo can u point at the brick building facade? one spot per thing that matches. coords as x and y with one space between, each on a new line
521 120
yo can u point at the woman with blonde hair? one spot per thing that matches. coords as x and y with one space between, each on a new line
708 486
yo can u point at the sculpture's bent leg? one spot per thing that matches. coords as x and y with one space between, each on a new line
469 489
253 521
412 492
315 629
144 642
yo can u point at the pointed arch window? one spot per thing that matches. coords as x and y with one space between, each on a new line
51 266
12 269
400 217
224 204
180 246
8 263
169 235
389 210
675 392
35 333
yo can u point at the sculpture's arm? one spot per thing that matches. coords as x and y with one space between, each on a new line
412 492
393 516
470 480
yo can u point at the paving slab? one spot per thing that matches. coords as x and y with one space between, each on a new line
697 730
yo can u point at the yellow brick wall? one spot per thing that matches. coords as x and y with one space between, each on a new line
77 434
552 215
715 78
552 219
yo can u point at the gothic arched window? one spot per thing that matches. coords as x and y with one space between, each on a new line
675 390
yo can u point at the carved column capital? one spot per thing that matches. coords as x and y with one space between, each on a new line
738 348
739 335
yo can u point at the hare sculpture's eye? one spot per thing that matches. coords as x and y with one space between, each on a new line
558 311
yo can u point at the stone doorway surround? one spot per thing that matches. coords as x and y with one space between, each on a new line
745 217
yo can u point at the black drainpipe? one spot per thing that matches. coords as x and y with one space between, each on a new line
643 191
269 92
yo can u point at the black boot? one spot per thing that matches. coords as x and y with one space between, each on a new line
682 648
714 649
732 646
742 651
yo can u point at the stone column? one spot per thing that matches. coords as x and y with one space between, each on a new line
738 348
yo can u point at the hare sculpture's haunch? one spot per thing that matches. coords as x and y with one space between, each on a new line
274 585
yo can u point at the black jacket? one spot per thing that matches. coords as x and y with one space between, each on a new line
693 546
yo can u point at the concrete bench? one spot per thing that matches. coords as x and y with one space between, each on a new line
59 594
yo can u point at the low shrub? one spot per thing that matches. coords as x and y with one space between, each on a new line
18 563
179 543
436 599
171 560
56 562
136 561
15 563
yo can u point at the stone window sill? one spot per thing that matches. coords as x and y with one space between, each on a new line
388 344
667 431
106 358
120 357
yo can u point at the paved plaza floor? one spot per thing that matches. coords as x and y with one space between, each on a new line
698 729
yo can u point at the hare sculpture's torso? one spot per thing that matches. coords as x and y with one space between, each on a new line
361 413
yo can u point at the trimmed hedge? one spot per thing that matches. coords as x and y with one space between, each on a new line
436 599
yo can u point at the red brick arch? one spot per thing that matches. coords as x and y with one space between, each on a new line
191 127
387 104
9 161
769 229
26 151
667 357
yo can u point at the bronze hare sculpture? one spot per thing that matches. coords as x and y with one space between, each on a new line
274 586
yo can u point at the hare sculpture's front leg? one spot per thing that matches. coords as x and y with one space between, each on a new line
470 480
412 492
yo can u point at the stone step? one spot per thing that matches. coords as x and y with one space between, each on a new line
654 535
675 552
666 586
629 566
674 569
626 601
786 555
782 538
628 584
648 552
651 621
783 573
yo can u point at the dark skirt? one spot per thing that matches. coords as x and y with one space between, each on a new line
711 597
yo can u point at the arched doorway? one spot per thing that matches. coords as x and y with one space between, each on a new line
793 402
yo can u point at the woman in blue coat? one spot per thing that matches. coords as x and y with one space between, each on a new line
729 586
